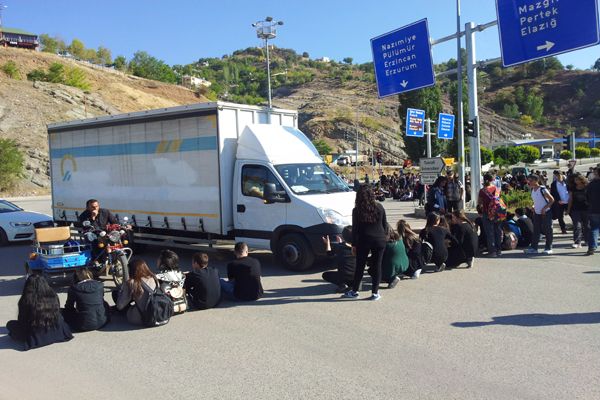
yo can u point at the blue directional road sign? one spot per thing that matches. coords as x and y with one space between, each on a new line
446 126
534 29
415 122
402 59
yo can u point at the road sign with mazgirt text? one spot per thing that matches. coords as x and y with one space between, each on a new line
402 59
431 168
415 122
534 29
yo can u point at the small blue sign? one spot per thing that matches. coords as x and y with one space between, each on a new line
415 122
402 59
534 29
446 126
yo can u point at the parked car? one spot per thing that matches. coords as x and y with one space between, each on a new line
17 224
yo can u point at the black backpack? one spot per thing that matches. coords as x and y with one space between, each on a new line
158 309
426 251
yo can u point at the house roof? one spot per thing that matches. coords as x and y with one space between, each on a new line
16 31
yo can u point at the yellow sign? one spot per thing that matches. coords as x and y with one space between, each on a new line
448 161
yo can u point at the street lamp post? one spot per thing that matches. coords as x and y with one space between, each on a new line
266 30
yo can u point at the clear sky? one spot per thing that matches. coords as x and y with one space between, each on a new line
181 31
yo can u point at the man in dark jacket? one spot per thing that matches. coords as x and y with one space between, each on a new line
243 276
202 283
593 198
526 226
98 217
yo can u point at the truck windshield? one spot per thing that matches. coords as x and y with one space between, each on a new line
311 179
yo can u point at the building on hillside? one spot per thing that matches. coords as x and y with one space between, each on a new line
324 59
194 82
10 37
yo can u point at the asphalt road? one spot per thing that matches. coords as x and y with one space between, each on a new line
510 328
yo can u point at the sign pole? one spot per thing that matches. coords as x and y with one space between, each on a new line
474 142
460 137
428 137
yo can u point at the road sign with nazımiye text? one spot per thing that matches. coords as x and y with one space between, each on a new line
534 29
402 59
415 122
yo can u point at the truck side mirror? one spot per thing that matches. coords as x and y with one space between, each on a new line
271 195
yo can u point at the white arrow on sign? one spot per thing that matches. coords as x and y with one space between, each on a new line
433 165
547 46
404 83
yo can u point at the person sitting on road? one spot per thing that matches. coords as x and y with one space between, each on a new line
243 276
172 279
39 322
98 217
202 284
467 243
85 308
439 238
340 250
135 291
395 260
525 226
412 243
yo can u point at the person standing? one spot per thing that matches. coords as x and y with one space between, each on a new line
593 197
559 191
436 201
454 193
369 226
577 208
542 219
491 226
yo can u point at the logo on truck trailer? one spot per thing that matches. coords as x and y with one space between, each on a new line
66 173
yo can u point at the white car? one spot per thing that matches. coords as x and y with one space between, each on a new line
17 224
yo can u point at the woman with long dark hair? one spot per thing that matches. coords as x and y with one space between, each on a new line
413 249
368 235
134 293
39 322
438 237
463 230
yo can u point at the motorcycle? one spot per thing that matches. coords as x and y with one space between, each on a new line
110 254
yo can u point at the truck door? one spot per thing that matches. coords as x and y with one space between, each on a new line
255 221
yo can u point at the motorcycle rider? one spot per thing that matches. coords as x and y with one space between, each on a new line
98 217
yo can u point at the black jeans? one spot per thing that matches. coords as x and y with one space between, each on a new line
453 205
362 252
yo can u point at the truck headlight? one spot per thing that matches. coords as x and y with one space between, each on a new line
330 216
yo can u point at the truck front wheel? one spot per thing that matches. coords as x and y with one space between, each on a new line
294 252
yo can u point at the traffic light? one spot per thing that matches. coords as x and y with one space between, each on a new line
471 127
567 142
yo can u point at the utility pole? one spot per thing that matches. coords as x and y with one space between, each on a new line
428 133
460 137
474 142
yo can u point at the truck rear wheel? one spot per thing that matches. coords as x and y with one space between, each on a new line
294 252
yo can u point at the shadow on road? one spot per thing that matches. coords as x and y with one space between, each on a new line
533 320
592 272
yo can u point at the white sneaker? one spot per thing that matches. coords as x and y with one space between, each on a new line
416 274
375 297
575 245
530 250
548 252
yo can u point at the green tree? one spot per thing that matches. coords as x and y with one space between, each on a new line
594 152
486 155
56 73
48 43
120 63
566 155
76 77
526 120
430 100
77 49
322 146
348 60
11 163
510 155
103 55
582 152
596 66
511 111
529 154
144 65
534 106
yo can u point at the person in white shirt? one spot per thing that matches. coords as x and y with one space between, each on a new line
542 218
559 191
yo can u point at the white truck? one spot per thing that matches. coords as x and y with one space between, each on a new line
202 173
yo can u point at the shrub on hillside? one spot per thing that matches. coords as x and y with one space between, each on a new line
528 154
58 73
37 75
11 70
11 163
566 155
582 152
594 152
